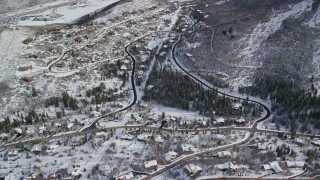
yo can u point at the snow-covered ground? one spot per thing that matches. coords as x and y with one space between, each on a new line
66 14
264 30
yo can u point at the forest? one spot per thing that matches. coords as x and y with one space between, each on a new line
174 89
291 103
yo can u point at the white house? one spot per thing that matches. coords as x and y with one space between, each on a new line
274 165
171 155
125 176
12 153
30 131
41 129
18 131
295 164
227 166
219 120
218 137
222 154
53 146
36 149
127 137
192 169
151 164
159 139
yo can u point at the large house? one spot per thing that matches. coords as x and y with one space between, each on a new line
193 170
151 165
274 165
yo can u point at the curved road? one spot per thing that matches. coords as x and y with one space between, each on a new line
206 85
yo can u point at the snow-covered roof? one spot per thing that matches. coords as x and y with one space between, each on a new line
266 166
42 128
295 163
262 146
218 136
10 177
220 120
14 152
36 148
75 173
187 147
150 164
101 134
240 120
159 139
169 156
124 67
30 131
316 142
125 176
70 125
4 135
237 105
53 146
224 154
275 166
227 165
193 169
144 136
127 137
18 130
299 140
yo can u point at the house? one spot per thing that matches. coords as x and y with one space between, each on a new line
149 165
240 121
95 114
219 120
123 68
4 136
316 143
10 177
103 135
274 165
57 125
36 149
31 176
171 155
76 141
159 139
53 146
76 173
144 137
125 176
70 125
266 167
262 146
299 141
127 137
218 137
52 175
13 153
236 105
30 131
18 131
227 166
295 164
193 170
187 148
42 129
222 154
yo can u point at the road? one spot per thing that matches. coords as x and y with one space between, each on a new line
248 137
